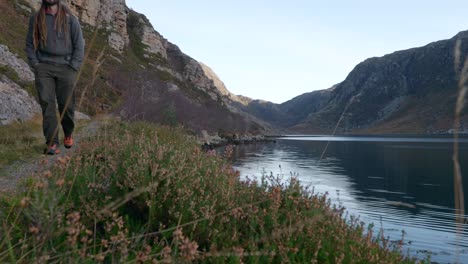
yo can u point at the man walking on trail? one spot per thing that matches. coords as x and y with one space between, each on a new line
55 50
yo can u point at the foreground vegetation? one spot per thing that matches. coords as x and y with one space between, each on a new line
136 193
20 141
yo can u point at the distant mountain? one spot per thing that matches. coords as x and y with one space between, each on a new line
409 91
135 72
282 116
300 107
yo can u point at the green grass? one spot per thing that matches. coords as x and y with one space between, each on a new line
24 141
20 141
140 193
13 28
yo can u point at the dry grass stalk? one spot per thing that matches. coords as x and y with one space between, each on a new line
457 173
462 90
338 124
96 66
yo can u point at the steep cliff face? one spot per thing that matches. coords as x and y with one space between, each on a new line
133 70
210 74
208 98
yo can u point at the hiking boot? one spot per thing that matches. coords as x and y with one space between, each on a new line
68 142
52 150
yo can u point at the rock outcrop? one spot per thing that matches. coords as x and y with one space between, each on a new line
216 80
179 65
11 61
15 103
156 44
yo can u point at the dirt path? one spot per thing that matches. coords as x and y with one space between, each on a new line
11 175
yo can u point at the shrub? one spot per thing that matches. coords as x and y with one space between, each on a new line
140 193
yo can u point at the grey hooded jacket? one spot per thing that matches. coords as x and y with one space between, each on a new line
60 48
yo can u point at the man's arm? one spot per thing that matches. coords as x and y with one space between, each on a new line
77 44
30 50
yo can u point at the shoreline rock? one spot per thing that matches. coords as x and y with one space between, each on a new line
208 142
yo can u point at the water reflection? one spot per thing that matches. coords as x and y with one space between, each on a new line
398 185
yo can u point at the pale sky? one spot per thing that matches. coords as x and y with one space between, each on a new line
275 49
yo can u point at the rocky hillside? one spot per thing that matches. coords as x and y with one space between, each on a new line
300 107
132 70
15 103
409 91
288 114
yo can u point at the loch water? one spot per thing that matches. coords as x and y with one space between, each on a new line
401 184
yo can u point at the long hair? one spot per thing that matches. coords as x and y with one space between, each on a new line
60 25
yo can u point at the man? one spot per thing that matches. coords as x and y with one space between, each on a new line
55 50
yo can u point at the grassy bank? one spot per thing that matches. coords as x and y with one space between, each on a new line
20 141
137 193
25 141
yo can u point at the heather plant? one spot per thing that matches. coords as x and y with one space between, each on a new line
137 193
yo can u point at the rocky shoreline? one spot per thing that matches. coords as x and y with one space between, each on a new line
208 142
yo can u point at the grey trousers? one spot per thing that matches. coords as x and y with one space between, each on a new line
56 82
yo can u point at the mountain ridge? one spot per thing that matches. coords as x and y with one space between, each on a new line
406 91
133 71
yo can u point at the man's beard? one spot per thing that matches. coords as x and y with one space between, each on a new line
49 4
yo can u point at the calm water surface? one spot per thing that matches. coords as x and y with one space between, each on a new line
401 183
